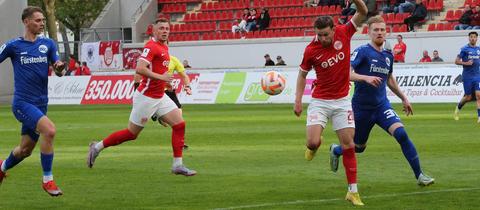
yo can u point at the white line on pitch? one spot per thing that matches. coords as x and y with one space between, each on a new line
337 199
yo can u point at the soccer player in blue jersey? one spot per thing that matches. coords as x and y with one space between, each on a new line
469 58
30 56
372 71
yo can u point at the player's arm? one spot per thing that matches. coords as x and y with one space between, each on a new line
393 85
361 13
459 61
142 69
301 82
5 52
186 82
371 80
136 80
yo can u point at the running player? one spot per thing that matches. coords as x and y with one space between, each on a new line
372 71
149 99
329 55
31 55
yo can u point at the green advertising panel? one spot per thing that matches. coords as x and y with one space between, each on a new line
231 87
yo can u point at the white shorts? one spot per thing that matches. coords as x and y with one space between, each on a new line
144 107
339 110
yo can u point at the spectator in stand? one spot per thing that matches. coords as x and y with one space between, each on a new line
148 32
407 6
263 20
71 63
268 60
399 50
240 25
280 61
418 14
475 17
426 58
349 10
392 8
314 3
372 7
252 21
465 19
83 70
185 64
436 57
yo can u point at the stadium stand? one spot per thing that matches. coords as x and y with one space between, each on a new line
213 19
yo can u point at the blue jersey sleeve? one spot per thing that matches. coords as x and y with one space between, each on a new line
5 51
463 53
53 52
356 58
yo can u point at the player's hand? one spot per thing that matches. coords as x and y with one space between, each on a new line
407 107
373 80
188 89
58 68
468 63
166 77
297 109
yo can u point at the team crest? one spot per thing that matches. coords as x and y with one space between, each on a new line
324 65
338 45
388 61
42 48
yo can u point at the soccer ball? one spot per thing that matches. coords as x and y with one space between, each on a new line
273 83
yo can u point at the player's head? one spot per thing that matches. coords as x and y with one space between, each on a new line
161 29
377 30
324 29
33 19
472 38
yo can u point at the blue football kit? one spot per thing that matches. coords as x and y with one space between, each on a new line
470 74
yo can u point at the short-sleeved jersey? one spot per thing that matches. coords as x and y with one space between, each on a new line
331 64
400 57
175 65
470 53
156 55
30 62
366 60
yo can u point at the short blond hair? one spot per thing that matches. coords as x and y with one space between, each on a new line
375 19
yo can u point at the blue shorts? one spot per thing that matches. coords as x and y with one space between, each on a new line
384 116
470 85
29 115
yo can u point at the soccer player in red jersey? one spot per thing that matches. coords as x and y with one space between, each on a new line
329 55
149 99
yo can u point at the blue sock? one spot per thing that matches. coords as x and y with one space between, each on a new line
47 160
338 150
408 150
460 105
11 161
478 112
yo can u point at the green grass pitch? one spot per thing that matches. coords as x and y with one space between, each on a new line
247 157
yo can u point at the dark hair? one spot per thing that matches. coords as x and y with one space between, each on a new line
473 32
28 12
400 36
162 20
323 22
84 63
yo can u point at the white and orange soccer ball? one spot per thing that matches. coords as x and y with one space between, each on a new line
273 83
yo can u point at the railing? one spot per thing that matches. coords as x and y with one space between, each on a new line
106 34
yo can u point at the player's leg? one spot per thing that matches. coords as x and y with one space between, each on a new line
16 156
172 94
390 122
142 109
173 117
477 96
364 122
344 126
468 91
317 117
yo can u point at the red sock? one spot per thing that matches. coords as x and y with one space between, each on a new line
178 139
118 138
350 164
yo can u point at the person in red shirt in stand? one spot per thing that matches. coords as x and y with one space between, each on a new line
83 70
399 50
329 55
71 63
426 58
149 99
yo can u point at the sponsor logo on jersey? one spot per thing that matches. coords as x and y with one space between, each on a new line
333 60
30 60
378 69
43 48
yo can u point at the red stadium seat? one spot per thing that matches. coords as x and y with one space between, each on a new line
431 27
449 16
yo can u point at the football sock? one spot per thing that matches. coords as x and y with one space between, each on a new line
47 161
337 150
178 139
352 188
99 146
408 150
478 112
10 162
177 161
118 137
350 164
460 105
